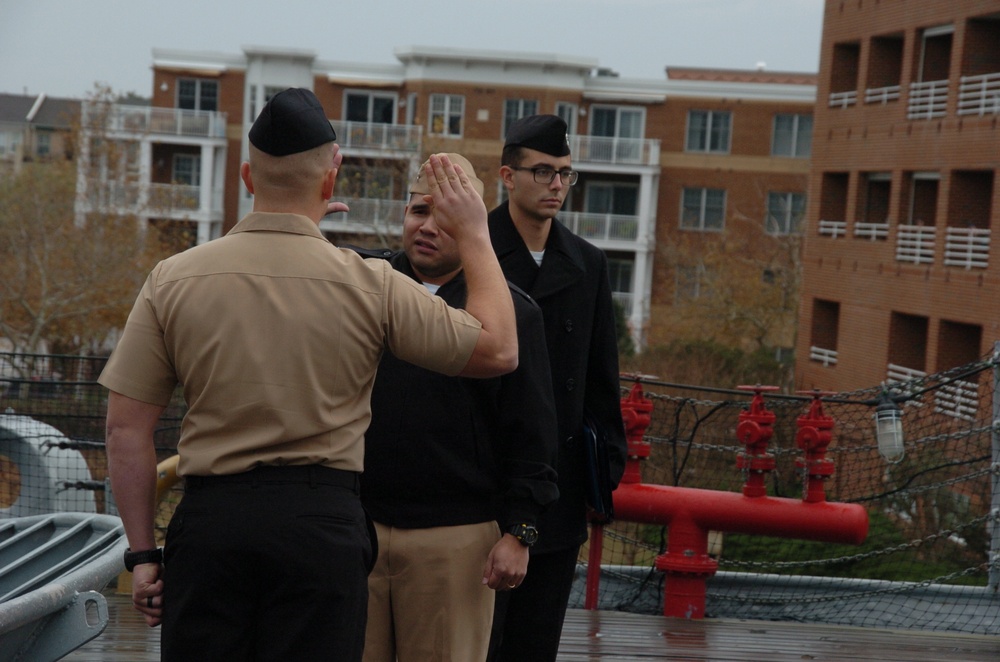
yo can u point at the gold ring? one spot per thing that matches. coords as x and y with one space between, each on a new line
511 585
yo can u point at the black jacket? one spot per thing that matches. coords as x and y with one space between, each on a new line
446 451
574 293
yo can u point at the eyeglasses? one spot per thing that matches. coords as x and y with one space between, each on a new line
545 175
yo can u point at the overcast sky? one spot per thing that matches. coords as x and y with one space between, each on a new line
64 47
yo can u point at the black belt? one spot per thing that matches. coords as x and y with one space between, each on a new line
312 474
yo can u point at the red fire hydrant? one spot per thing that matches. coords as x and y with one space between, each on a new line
754 430
814 436
637 413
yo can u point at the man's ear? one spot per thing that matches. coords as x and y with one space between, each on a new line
329 179
507 177
245 176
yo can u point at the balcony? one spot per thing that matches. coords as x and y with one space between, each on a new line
979 95
602 227
141 120
170 201
616 151
378 137
968 248
958 399
915 244
927 100
367 216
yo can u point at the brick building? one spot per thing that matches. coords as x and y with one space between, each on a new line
668 168
898 278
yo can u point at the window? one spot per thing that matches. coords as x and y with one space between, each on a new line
568 112
688 282
823 335
612 198
792 136
708 131
187 169
197 94
615 122
785 212
9 141
876 195
703 208
620 274
366 107
515 109
446 115
43 143
371 182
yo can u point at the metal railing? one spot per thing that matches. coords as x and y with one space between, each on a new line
833 228
843 99
882 95
927 99
915 243
967 247
159 121
872 231
827 357
608 227
621 151
378 136
979 95
367 216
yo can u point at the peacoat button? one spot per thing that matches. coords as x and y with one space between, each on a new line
569 326
570 384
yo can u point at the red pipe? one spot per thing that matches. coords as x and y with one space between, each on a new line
691 513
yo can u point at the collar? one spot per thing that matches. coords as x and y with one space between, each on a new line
270 222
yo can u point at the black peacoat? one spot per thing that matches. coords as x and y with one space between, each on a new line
573 291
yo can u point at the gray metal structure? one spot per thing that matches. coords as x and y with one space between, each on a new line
52 568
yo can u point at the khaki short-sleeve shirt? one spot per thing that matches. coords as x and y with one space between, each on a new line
275 335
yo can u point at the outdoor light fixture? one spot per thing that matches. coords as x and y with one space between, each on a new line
889 428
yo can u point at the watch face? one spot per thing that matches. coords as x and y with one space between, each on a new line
525 533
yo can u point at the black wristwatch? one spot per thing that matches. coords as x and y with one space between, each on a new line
132 559
526 534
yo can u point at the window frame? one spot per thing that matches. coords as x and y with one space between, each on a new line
787 224
199 96
446 113
799 143
703 208
520 112
712 123
370 109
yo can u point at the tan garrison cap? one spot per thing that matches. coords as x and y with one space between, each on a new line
419 184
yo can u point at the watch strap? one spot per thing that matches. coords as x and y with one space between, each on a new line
133 559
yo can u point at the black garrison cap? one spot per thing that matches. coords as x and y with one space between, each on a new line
545 133
292 121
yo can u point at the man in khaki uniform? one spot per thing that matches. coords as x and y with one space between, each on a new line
275 336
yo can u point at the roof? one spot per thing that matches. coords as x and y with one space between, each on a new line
742 76
39 110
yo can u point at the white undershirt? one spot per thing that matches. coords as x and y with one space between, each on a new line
538 255
432 288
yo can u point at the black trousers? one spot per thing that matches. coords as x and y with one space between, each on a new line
528 620
268 565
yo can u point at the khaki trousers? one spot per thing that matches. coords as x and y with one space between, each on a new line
426 598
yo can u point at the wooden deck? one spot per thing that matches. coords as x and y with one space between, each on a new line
616 637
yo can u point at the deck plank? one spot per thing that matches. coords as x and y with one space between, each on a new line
620 637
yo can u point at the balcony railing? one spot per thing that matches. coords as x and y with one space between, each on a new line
368 216
915 243
967 247
882 95
607 227
979 95
843 99
621 151
959 399
159 121
827 357
927 99
833 228
378 136
625 300
897 373
871 231
168 200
